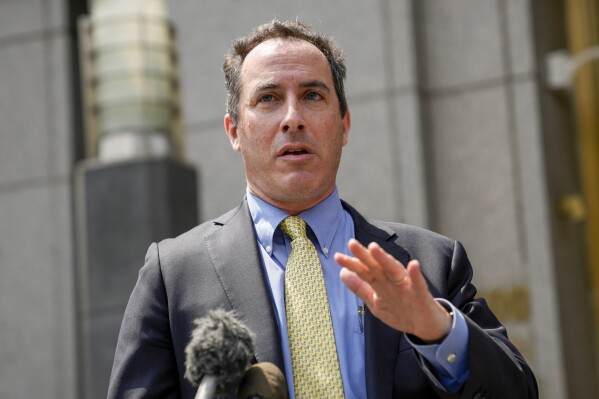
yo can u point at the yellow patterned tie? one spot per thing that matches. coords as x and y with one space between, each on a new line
312 345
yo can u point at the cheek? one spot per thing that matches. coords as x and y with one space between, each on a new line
337 140
263 135
255 142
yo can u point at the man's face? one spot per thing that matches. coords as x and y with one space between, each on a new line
289 128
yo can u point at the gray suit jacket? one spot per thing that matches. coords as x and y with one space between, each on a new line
217 265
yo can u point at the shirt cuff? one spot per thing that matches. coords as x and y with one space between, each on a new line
449 358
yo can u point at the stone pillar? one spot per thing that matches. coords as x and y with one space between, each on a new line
122 207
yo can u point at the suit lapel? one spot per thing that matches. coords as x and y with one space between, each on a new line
381 341
234 253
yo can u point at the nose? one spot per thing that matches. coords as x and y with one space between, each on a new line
293 120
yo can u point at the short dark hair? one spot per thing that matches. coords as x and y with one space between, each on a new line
289 30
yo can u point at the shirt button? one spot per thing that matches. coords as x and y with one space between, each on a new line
451 358
268 248
325 250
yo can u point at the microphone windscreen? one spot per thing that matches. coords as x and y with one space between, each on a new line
220 346
263 381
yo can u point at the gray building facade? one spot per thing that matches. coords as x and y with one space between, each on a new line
453 129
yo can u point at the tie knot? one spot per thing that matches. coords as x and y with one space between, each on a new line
294 227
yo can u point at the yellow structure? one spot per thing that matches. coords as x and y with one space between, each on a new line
583 33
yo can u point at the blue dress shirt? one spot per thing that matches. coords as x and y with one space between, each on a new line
330 228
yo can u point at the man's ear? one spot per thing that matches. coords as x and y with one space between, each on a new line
346 123
231 130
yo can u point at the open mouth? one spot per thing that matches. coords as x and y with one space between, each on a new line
295 152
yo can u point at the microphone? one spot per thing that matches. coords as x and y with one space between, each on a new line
263 381
218 354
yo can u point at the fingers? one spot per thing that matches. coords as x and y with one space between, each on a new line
415 275
378 268
376 264
357 285
356 266
391 268
365 255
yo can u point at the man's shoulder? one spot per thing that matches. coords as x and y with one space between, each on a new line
406 235
401 229
191 239
416 232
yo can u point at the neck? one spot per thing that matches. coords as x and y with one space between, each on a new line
292 208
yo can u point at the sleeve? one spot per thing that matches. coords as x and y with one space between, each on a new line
144 363
449 358
496 368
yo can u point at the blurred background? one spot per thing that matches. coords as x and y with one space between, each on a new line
478 119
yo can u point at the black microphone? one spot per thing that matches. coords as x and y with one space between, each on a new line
263 381
218 354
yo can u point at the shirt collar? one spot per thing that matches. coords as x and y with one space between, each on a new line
323 219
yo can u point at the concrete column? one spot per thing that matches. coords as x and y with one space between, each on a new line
122 208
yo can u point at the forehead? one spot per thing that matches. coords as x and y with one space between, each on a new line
274 57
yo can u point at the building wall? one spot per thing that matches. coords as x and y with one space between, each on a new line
37 350
488 182
446 133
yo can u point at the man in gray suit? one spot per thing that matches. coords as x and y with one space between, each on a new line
401 306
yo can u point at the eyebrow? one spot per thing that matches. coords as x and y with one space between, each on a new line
315 83
260 88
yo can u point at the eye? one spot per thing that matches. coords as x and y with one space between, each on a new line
313 96
266 98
